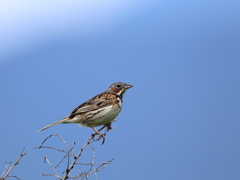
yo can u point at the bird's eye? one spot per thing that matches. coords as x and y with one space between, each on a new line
118 85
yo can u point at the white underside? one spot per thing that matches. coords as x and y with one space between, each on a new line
107 115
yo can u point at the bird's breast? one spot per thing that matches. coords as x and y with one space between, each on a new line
101 116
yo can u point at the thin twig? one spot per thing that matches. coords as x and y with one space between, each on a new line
99 168
87 164
70 153
8 170
90 140
44 141
15 177
46 159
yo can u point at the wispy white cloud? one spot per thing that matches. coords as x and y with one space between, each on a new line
26 22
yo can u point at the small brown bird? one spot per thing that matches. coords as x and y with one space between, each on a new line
102 109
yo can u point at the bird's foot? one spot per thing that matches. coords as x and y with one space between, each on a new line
100 136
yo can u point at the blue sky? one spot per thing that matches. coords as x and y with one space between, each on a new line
179 121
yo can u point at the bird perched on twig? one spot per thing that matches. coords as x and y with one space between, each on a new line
102 109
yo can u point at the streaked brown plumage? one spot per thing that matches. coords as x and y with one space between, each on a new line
99 110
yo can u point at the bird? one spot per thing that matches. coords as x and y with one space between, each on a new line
100 110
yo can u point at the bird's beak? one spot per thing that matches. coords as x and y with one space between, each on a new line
127 86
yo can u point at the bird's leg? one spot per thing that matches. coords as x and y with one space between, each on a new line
102 128
108 126
97 133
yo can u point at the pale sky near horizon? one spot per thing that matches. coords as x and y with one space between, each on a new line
26 23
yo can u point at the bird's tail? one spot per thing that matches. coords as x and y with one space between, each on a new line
55 123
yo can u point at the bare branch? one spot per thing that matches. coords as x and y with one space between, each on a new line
14 177
46 159
90 140
8 169
44 141
72 158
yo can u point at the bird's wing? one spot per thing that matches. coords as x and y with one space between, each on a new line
101 100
